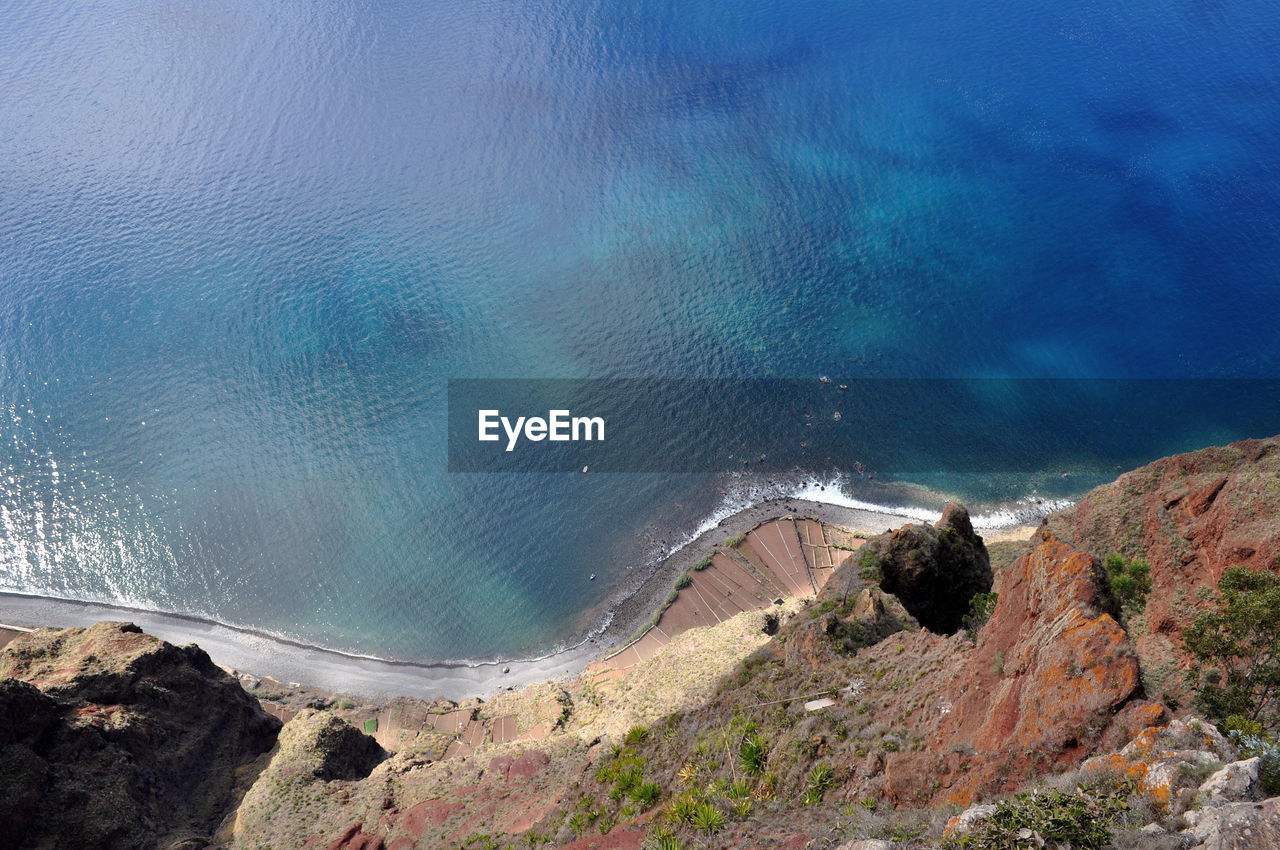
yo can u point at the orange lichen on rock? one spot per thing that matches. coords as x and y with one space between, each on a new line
1044 682
1157 757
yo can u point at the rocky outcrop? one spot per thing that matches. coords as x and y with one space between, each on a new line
1238 826
1051 674
1050 662
874 615
113 738
933 570
1167 764
327 748
1191 516
1238 782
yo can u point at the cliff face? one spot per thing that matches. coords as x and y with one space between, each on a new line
113 738
1050 675
1191 516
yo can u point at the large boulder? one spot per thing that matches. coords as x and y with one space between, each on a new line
1236 826
1238 782
118 739
934 570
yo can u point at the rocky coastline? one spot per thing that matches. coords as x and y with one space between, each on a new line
867 714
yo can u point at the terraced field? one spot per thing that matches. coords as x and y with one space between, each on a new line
784 557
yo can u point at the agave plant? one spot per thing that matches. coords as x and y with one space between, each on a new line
754 754
708 817
822 778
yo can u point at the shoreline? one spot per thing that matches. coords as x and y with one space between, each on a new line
289 661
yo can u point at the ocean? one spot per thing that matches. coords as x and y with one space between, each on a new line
245 246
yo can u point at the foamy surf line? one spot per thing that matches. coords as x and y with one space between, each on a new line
747 503
1028 510
829 492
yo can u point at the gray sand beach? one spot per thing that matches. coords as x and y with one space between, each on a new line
289 661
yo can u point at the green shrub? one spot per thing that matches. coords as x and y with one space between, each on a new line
849 635
1081 820
1239 724
826 606
822 778
1237 649
683 581
707 817
1130 580
735 540
703 563
869 566
981 607
636 735
646 793
664 838
684 807
626 784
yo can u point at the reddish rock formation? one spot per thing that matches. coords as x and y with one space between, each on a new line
1191 516
355 838
1040 688
522 765
432 812
1049 660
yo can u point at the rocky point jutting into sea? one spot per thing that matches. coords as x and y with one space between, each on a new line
804 685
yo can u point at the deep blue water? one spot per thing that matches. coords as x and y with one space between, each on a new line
243 246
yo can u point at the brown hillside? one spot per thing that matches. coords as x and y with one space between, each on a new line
1191 516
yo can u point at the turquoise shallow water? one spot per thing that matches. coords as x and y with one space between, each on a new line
243 247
